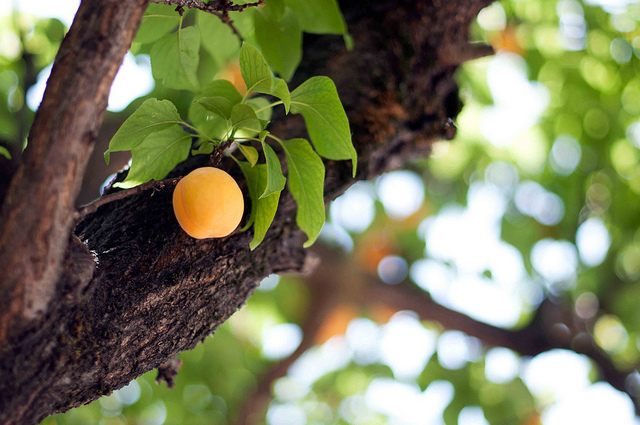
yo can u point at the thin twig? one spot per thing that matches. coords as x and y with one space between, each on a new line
106 199
219 8
211 6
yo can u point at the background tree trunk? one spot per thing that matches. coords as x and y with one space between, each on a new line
84 312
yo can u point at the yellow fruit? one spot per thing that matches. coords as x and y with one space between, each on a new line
208 203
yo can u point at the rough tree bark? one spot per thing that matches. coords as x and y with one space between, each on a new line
85 311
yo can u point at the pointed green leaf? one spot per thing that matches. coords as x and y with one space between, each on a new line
218 39
280 40
319 16
175 58
5 152
306 184
249 152
255 70
280 90
153 115
318 102
157 20
275 179
158 154
258 77
243 116
263 210
218 105
261 107
274 9
211 124
206 148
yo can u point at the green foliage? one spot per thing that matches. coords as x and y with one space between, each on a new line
319 17
5 152
153 115
263 208
275 179
155 133
280 40
306 178
259 78
318 102
175 58
158 154
158 20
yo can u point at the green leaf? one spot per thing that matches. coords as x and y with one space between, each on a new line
258 77
157 155
217 38
243 116
175 58
280 90
275 179
157 20
319 16
261 107
153 115
249 152
205 148
306 184
213 125
273 9
218 105
318 102
280 40
263 210
5 152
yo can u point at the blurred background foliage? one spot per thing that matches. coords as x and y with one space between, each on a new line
536 202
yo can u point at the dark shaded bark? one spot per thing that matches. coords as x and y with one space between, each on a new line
82 316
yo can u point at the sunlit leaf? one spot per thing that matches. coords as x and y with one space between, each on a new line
175 58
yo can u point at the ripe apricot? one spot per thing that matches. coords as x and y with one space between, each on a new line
208 203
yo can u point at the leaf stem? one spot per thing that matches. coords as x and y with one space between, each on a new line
271 105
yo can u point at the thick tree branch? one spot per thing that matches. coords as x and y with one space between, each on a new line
134 290
36 216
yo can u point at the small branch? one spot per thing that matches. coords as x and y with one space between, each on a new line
211 6
218 153
220 8
103 200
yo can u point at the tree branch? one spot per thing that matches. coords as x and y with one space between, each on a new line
220 8
137 290
36 217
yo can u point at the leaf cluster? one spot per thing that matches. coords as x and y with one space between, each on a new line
159 138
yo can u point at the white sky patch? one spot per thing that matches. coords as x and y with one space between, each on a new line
286 414
462 244
401 193
405 404
565 155
596 404
354 210
518 102
472 415
556 374
133 80
64 10
501 365
363 336
406 345
556 261
280 341
320 360
456 349
593 241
